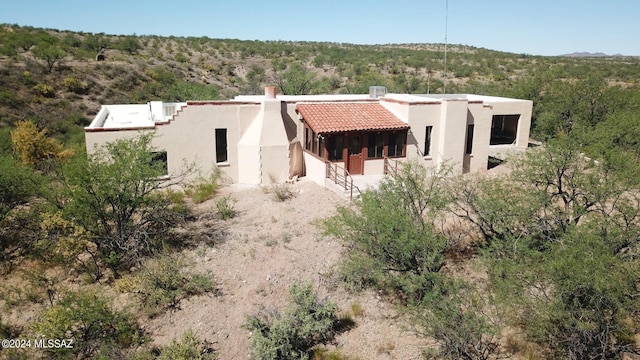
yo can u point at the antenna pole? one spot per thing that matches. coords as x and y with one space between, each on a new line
446 27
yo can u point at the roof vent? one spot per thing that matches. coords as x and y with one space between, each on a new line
377 91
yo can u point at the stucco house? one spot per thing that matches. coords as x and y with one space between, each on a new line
265 138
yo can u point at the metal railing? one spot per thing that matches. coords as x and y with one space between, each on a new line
390 165
341 177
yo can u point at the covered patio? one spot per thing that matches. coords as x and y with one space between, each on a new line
357 136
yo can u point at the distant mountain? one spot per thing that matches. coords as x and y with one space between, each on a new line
588 54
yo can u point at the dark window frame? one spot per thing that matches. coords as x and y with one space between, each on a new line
335 147
469 139
427 140
401 145
222 145
375 145
161 157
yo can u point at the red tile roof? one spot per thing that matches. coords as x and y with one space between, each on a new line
325 118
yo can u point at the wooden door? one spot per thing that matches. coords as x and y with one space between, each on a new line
355 160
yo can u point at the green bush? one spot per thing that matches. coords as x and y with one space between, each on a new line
115 196
87 319
203 189
282 192
188 348
74 85
18 184
575 296
456 315
45 90
393 245
305 323
163 283
226 208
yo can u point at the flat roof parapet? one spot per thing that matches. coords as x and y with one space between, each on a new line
221 102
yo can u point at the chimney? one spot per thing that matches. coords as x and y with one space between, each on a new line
270 92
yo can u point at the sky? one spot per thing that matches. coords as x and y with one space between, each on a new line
536 27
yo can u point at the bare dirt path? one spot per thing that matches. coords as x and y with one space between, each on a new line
271 244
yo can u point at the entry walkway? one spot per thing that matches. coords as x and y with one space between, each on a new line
360 184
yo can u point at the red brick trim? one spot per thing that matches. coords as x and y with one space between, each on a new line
89 129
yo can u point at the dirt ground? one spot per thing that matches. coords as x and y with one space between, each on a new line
269 245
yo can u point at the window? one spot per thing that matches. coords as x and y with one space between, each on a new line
469 146
221 146
504 129
376 146
159 159
169 110
427 141
355 148
320 145
314 143
334 147
307 138
396 144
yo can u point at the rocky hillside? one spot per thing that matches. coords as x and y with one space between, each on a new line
59 79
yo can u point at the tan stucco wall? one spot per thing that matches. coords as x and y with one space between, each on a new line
374 167
513 107
259 136
421 116
480 116
190 138
451 134
316 168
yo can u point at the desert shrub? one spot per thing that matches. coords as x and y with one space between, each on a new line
163 283
182 58
18 184
575 297
393 244
115 196
5 330
203 189
129 44
282 192
226 208
86 318
189 90
34 147
64 242
27 79
457 316
188 348
321 353
45 90
74 85
356 309
10 98
306 322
